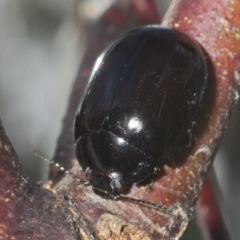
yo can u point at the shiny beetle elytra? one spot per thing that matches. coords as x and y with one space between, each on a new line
138 107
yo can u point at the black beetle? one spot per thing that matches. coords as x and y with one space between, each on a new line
138 107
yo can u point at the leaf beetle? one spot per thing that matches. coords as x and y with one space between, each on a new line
140 103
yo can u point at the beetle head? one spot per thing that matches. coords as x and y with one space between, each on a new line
106 184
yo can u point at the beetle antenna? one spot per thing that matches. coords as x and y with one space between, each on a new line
131 199
51 161
150 204
156 206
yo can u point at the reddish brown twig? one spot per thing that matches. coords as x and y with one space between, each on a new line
216 26
28 211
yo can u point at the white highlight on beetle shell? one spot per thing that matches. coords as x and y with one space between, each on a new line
120 141
135 124
98 62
